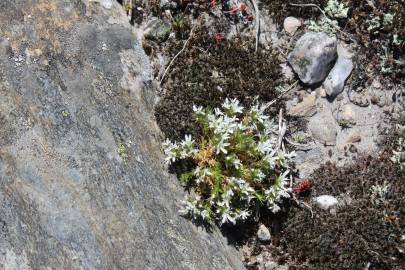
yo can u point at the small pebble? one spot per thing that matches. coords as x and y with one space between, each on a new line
291 25
375 99
263 233
326 202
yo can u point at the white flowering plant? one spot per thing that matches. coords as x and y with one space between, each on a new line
239 163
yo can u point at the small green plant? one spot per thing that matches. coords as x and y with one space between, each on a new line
336 10
374 25
65 113
238 163
325 25
122 151
346 123
398 152
379 192
300 137
328 23
399 149
178 23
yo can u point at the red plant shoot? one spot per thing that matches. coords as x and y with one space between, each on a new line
302 186
243 7
234 10
218 37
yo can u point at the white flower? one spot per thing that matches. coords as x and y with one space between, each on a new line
190 207
201 172
227 217
271 159
198 110
187 147
284 194
274 208
171 151
265 146
236 163
213 122
227 196
257 112
218 112
234 160
260 176
244 214
204 214
225 124
232 106
222 144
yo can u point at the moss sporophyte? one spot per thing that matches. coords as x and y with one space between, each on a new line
238 163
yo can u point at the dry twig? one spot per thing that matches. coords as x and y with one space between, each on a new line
178 54
300 203
282 129
257 23
282 94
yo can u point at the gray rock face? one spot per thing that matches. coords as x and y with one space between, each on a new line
335 81
81 180
313 56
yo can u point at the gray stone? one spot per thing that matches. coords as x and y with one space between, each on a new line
323 129
68 198
157 30
354 138
347 116
335 81
263 233
313 57
326 202
168 4
291 25
306 108
272 265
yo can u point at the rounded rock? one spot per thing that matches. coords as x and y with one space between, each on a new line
313 56
291 25
326 202
263 234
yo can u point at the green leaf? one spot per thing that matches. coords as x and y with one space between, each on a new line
186 177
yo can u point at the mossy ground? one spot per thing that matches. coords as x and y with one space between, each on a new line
362 232
207 72
280 9
383 49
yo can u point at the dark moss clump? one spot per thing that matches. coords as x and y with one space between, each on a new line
207 72
280 9
364 232
380 28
